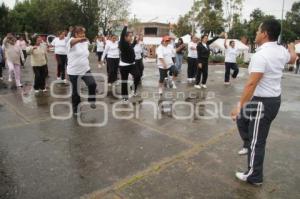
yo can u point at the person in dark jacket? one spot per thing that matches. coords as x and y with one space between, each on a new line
203 51
127 62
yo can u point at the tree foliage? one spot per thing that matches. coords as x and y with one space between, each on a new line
183 26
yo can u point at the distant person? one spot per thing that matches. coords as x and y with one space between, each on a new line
203 51
79 68
139 53
100 45
14 56
2 62
297 65
231 53
192 59
261 98
127 63
60 51
22 43
112 55
165 63
39 59
180 49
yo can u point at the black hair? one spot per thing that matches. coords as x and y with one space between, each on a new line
272 27
231 42
202 37
77 29
128 33
181 40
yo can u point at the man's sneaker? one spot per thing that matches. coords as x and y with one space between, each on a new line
160 91
204 86
197 86
243 151
242 177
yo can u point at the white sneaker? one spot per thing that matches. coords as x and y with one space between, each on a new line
241 176
1 78
99 65
45 90
58 78
109 84
160 91
197 86
243 151
9 80
204 86
174 85
189 80
227 83
36 91
65 81
134 93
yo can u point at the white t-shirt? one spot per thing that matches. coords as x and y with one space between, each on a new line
192 53
231 55
60 46
138 50
166 53
269 59
78 58
22 44
111 50
100 46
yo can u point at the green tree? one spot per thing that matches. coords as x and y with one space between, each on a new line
209 15
293 19
4 20
183 26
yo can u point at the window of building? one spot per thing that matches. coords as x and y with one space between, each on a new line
151 31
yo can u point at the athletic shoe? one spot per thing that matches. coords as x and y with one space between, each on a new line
36 91
1 78
20 86
243 151
242 177
125 100
9 79
174 85
134 93
65 81
197 86
227 83
189 80
99 66
109 84
160 91
58 78
204 86
45 90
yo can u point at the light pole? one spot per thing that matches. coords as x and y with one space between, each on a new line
280 38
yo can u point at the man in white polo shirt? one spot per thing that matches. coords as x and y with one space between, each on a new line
261 98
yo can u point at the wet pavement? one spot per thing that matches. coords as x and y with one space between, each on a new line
145 150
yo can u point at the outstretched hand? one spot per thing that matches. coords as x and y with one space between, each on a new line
222 35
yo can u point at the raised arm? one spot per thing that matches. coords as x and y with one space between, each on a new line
225 41
123 34
291 49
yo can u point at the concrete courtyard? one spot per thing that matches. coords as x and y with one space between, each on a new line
142 157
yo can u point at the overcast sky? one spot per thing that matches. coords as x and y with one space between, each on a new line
169 10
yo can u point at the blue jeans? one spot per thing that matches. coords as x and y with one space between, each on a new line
179 60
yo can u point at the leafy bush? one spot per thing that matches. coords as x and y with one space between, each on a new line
216 59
